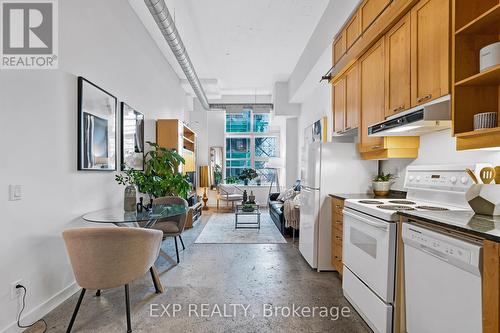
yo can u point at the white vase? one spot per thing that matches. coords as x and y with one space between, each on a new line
130 199
484 198
381 189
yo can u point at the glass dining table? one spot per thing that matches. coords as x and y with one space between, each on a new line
144 219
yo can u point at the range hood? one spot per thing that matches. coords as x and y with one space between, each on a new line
430 117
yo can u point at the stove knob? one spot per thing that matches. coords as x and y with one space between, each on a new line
418 178
464 180
411 178
453 179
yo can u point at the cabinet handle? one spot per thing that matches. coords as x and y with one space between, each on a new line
338 206
376 147
426 97
338 222
347 129
338 238
399 108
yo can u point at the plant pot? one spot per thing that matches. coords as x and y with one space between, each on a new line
484 199
381 189
245 182
130 199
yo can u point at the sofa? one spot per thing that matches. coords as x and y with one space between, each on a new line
276 213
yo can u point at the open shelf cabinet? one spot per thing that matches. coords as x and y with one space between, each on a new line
476 24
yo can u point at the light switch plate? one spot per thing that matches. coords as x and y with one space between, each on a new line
15 192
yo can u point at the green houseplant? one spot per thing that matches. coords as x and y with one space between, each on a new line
382 184
247 174
161 176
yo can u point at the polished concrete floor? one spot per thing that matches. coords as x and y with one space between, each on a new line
258 284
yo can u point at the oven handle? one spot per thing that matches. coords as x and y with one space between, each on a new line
378 225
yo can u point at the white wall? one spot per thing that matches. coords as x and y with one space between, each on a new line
106 43
438 148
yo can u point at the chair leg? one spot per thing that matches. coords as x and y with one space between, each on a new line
127 305
157 288
73 317
98 292
176 249
183 247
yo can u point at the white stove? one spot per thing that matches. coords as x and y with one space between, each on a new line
369 236
430 188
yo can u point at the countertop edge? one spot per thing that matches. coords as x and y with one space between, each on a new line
479 234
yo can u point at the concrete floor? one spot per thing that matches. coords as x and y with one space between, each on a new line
253 275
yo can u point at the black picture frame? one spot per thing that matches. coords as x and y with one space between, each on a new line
132 138
96 127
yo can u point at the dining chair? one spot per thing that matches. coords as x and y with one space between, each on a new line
110 257
173 226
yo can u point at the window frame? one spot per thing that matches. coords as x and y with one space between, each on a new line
252 136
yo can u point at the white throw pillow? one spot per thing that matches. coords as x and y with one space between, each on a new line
286 195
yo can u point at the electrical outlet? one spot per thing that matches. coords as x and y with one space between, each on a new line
15 292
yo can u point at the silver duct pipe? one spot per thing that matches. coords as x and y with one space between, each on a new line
164 20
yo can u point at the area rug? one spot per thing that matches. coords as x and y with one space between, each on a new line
220 230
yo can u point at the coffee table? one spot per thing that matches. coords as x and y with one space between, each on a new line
251 219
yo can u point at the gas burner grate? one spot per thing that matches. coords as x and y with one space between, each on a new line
395 207
371 202
402 202
432 208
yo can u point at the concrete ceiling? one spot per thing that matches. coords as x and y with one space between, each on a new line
239 46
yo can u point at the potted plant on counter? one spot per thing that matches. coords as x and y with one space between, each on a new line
382 184
247 175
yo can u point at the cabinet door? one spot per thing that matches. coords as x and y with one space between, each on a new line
370 10
339 104
353 30
398 67
372 106
352 97
339 47
430 50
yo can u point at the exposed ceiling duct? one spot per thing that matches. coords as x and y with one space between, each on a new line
165 22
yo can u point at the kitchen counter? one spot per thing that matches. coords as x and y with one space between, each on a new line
344 196
487 227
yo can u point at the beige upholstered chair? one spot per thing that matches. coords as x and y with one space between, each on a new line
173 226
104 258
229 194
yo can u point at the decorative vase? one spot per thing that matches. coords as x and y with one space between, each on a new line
484 199
130 199
251 198
381 189
245 196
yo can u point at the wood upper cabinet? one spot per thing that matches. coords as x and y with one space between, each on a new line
430 43
398 68
339 47
372 101
353 29
352 98
339 104
370 10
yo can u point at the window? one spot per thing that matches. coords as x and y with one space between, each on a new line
250 143
238 122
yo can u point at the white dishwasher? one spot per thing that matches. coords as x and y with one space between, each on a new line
442 282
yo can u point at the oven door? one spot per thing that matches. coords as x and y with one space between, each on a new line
370 251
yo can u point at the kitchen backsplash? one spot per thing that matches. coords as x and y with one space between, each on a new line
438 148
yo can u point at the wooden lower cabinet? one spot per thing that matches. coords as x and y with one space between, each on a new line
491 287
337 233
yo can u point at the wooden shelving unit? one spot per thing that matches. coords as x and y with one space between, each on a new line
174 134
476 24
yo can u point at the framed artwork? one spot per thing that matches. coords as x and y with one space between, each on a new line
132 138
317 132
96 128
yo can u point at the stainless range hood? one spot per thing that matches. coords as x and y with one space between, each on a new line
425 118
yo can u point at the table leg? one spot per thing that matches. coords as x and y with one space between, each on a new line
156 280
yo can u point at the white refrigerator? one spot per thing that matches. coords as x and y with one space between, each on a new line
327 168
